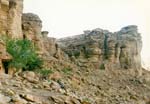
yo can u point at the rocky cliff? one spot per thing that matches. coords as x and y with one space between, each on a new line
47 47
97 67
10 18
103 49
10 25
94 49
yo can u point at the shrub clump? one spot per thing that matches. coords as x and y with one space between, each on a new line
67 70
23 54
45 72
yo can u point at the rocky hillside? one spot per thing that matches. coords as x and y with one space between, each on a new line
97 67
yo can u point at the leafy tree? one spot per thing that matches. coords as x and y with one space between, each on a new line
23 53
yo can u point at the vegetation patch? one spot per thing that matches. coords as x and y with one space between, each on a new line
86 101
23 54
67 70
45 72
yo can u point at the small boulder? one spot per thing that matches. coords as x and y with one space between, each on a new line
30 76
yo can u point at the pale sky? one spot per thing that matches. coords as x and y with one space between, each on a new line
71 17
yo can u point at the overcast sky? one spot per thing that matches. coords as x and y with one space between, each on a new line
70 17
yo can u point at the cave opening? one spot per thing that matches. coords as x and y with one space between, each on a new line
5 66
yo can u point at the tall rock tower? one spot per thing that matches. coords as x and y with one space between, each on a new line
10 25
10 18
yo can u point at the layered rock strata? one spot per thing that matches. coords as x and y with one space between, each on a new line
105 50
98 49
10 18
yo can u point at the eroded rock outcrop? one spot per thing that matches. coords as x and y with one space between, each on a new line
47 47
10 25
69 74
4 56
103 49
32 26
93 49
10 18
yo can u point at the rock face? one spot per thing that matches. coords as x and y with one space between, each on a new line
69 74
4 56
32 26
10 18
10 25
50 44
103 49
98 49
47 47
130 45
4 8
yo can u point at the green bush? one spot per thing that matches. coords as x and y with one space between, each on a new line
23 53
45 72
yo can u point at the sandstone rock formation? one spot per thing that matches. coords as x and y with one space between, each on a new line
103 49
69 74
31 26
10 18
10 25
47 47
93 49
4 56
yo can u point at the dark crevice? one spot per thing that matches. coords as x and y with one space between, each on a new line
116 50
12 4
106 50
5 65
24 37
